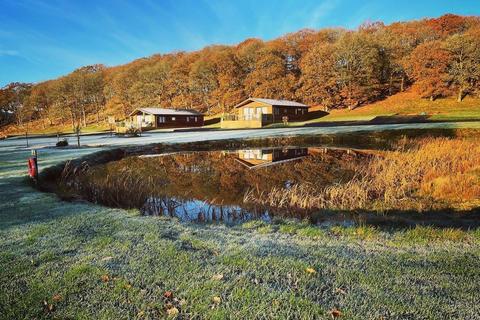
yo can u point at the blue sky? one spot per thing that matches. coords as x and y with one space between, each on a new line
43 39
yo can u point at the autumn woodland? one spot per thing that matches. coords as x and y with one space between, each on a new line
330 68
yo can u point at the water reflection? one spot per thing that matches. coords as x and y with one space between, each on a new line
257 158
214 186
200 211
211 186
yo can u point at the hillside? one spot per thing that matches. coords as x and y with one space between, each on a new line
401 104
435 59
410 103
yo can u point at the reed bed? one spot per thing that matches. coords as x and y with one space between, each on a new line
420 175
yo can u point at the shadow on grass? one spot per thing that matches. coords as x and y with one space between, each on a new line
23 204
396 220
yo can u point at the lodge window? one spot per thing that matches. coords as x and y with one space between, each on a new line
173 118
195 119
161 119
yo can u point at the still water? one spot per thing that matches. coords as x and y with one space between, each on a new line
221 186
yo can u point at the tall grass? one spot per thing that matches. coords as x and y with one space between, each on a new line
419 175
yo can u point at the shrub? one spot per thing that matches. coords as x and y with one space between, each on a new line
132 132
62 143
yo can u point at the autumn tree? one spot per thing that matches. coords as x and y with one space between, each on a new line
229 76
429 68
270 76
318 83
203 80
464 63
248 52
447 25
178 84
12 98
334 67
149 88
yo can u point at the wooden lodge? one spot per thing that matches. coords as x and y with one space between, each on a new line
258 158
156 118
258 112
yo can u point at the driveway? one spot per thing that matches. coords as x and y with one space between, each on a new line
191 136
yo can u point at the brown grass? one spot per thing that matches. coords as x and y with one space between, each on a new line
409 103
420 175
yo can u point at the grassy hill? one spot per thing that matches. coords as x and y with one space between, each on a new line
409 103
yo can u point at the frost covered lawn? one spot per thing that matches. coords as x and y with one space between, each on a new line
77 260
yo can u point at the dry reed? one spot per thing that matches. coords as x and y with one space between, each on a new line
419 175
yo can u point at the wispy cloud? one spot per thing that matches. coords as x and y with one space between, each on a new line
322 11
9 53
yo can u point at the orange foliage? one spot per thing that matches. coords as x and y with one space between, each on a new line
335 68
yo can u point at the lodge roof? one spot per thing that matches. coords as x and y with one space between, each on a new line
166 111
272 102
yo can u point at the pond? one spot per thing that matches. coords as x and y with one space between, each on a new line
325 185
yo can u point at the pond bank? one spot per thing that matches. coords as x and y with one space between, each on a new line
408 181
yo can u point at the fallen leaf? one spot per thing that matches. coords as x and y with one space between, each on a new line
128 286
335 313
216 300
105 278
340 290
311 270
141 313
57 298
107 258
217 277
168 294
172 312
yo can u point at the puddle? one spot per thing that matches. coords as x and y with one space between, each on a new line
218 186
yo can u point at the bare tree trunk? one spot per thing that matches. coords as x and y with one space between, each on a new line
460 95
72 119
390 85
26 133
84 117
77 132
402 84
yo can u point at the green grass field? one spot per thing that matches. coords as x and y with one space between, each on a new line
409 104
82 261
405 104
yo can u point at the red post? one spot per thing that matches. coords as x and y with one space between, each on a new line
33 166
